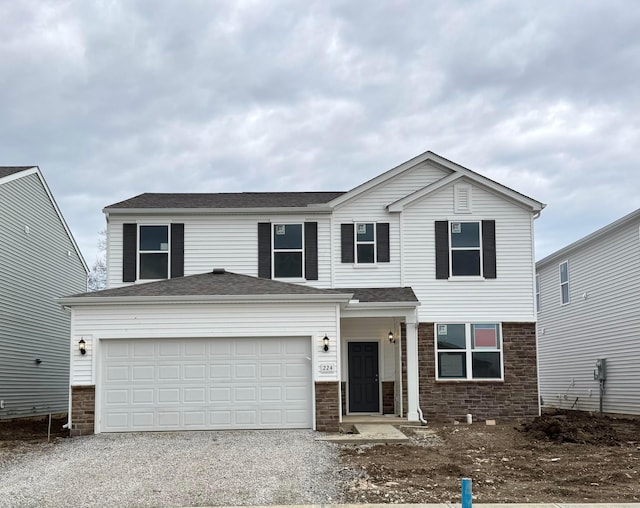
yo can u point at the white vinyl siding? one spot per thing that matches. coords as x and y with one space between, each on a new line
36 267
230 320
219 241
371 207
602 321
506 298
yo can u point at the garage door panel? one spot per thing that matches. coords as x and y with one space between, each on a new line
191 384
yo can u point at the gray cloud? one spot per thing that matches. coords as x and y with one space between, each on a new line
114 98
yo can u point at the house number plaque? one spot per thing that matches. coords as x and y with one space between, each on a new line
327 367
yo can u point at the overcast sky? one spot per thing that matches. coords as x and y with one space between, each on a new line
112 99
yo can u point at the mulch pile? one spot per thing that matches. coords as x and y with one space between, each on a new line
574 427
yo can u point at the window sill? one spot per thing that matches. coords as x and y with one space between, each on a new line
292 280
465 278
494 381
364 266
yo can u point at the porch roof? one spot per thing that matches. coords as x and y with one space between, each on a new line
382 295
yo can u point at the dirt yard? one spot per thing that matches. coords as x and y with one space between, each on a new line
561 457
565 457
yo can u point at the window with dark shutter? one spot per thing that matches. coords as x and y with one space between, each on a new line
382 239
264 250
346 242
489 249
129 252
177 250
442 249
311 250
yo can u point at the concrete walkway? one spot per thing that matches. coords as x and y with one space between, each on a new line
368 433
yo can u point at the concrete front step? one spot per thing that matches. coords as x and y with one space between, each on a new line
368 433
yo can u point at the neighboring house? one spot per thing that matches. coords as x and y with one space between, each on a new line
39 262
411 294
588 295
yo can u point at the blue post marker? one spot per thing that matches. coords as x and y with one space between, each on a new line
466 493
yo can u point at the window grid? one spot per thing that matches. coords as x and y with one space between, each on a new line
470 352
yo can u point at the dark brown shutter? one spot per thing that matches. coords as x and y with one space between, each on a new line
264 250
346 233
442 249
177 250
382 242
489 249
311 250
129 252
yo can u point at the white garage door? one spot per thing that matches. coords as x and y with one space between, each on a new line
190 384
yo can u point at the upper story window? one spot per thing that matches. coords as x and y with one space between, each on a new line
466 249
288 251
365 243
153 252
564 282
538 292
468 351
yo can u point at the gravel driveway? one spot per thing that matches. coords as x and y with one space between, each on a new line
175 469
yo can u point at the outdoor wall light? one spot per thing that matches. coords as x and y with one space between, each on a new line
392 339
82 346
326 343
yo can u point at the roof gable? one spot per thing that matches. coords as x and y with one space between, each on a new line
454 171
6 171
8 174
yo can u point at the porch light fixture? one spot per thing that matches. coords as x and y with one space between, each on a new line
82 346
392 339
326 343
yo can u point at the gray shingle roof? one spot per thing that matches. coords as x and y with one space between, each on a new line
383 295
227 200
209 284
10 170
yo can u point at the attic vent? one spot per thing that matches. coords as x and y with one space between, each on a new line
218 271
462 198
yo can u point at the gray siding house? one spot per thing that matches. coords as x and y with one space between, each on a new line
39 262
588 297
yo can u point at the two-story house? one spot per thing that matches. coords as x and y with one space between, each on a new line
39 262
588 300
411 294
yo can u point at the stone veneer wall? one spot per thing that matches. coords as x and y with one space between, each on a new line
388 398
83 410
327 406
514 398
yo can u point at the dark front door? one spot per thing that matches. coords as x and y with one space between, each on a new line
364 384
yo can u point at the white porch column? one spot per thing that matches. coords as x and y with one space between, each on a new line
412 370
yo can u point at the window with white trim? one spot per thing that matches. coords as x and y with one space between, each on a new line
471 351
465 239
288 251
564 282
153 252
538 292
365 242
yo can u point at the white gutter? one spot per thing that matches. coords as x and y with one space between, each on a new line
116 300
320 209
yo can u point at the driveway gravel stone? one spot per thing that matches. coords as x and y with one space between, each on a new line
175 469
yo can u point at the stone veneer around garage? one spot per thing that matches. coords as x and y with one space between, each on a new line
83 410
327 406
514 398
